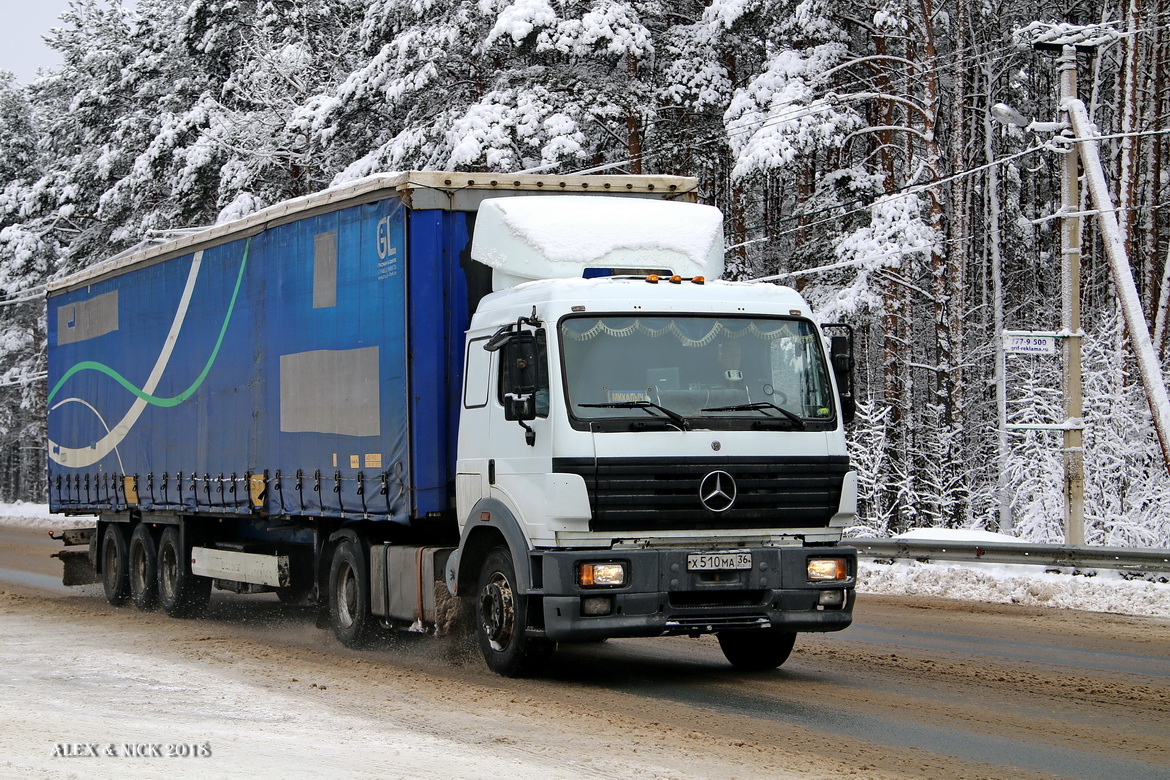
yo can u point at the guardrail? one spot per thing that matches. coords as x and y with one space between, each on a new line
1054 555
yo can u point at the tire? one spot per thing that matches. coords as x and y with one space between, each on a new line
756 650
181 594
143 568
115 564
349 596
500 620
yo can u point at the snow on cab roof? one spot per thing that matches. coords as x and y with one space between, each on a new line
525 238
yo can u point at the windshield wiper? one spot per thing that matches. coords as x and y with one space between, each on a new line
758 407
674 417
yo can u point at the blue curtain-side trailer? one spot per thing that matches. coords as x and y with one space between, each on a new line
303 365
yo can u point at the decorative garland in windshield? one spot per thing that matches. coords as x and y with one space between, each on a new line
673 328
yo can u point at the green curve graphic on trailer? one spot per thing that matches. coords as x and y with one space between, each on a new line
174 400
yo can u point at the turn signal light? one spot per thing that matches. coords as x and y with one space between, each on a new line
825 569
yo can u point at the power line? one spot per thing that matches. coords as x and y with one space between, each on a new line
801 111
27 380
26 296
904 191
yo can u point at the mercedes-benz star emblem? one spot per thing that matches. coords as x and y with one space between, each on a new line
717 491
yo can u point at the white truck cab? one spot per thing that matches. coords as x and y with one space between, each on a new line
645 453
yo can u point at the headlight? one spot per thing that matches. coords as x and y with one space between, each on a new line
596 575
825 569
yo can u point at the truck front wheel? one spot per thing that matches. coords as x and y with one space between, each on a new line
180 593
349 596
500 612
115 564
756 650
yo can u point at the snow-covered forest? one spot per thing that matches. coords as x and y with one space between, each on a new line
849 145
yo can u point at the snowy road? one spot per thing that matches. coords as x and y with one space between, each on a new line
917 688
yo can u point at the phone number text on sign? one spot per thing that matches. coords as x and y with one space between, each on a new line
1030 345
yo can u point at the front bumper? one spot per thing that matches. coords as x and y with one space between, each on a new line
661 597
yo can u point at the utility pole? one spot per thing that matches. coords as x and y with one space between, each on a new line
1074 432
1070 334
1080 137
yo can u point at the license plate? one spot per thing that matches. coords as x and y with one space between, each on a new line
718 561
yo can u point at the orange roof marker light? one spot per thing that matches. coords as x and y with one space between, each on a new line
676 279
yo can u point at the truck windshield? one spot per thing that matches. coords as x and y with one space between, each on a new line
699 367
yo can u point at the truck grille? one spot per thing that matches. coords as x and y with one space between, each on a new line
659 494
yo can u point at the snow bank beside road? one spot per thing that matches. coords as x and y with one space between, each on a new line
1104 591
1027 585
26 515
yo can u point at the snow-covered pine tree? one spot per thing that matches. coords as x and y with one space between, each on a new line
24 263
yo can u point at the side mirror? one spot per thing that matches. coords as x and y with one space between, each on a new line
841 358
522 379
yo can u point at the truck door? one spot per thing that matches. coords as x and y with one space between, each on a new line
520 432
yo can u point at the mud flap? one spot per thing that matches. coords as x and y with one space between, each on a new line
78 568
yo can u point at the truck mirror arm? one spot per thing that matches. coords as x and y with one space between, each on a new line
506 332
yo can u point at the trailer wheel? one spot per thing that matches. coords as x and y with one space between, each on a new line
500 620
756 650
143 568
349 596
180 593
115 564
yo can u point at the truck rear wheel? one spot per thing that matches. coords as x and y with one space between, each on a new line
756 650
500 620
115 564
143 568
180 593
349 596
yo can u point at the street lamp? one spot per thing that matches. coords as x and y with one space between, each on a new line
1006 115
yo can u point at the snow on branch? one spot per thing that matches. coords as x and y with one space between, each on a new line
1065 34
